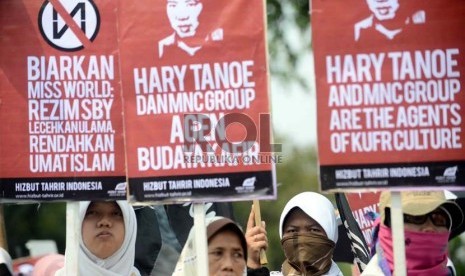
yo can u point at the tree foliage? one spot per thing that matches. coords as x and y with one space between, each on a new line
24 222
288 38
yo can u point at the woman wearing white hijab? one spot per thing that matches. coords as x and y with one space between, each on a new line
107 239
308 231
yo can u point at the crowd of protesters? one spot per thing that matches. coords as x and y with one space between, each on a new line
308 229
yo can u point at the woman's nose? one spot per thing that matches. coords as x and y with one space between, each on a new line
104 221
429 226
227 263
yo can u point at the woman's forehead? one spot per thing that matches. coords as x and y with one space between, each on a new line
298 216
104 205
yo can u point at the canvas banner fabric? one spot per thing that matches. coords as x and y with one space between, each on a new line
389 79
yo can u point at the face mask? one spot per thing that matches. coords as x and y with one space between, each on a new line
309 254
426 252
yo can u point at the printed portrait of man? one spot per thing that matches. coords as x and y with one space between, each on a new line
184 17
385 19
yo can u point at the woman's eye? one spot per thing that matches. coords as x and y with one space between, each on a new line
118 214
90 213
238 255
216 254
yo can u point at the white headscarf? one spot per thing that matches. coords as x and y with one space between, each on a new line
121 263
316 206
321 210
5 258
187 262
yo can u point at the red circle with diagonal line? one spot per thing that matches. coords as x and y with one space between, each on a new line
67 25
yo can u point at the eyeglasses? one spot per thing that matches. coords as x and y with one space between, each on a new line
438 218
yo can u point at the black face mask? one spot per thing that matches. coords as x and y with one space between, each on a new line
307 254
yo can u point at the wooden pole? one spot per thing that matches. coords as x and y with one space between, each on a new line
3 240
258 221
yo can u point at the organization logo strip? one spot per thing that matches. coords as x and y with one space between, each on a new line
396 175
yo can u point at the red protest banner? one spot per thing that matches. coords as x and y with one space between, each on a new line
390 100
362 204
60 101
195 85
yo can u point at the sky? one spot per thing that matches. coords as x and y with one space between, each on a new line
293 109
293 114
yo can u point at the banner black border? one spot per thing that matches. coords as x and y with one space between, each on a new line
262 188
108 192
435 179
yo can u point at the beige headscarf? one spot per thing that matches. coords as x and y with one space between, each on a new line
187 263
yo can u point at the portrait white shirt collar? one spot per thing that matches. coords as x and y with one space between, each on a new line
388 33
172 39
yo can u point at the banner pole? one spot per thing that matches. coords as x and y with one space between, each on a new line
397 224
200 231
3 240
258 221
72 238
